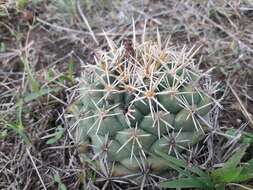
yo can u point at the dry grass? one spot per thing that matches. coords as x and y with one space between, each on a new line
51 37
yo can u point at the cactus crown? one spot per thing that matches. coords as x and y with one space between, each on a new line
138 99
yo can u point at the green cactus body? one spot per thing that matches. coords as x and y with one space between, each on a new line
161 123
170 102
132 106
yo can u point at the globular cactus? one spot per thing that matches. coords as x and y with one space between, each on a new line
139 99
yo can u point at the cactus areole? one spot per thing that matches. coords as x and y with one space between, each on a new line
137 100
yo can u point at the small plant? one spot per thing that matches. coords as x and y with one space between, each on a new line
231 173
56 136
19 129
21 4
61 185
139 99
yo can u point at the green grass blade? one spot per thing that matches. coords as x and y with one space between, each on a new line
229 172
246 173
246 138
182 164
34 84
236 158
193 182
42 92
225 176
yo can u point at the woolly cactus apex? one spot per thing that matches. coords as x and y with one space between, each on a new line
140 99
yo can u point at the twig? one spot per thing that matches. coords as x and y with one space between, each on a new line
86 22
244 110
239 185
147 16
61 28
36 169
231 34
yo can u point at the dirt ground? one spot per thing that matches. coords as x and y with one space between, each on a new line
46 43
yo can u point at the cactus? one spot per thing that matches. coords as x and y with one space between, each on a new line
139 99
